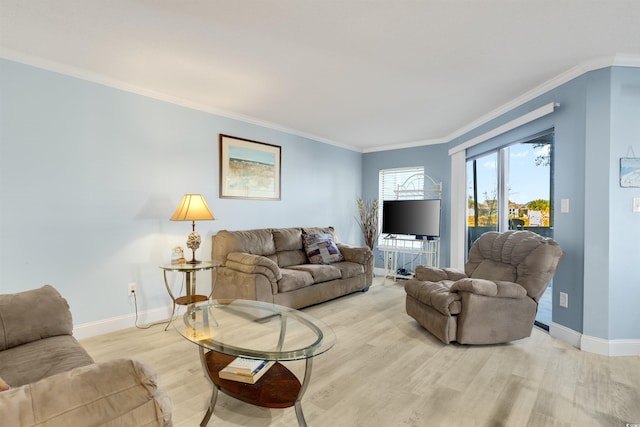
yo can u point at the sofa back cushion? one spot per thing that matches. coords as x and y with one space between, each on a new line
255 242
32 315
288 242
322 230
523 257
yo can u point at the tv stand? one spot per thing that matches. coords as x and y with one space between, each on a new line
402 255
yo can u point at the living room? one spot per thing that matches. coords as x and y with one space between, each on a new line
92 168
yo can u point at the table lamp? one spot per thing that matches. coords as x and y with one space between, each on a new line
193 208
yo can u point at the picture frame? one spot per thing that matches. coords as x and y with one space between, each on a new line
630 172
249 169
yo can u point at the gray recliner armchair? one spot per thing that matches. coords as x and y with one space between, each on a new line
495 299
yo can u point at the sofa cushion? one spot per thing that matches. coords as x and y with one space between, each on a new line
120 392
321 249
289 258
255 242
33 361
294 279
321 230
32 315
289 249
319 272
287 239
349 269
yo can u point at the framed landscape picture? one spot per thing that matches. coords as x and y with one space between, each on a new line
630 172
249 169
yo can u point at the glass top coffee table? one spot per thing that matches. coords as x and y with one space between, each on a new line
226 329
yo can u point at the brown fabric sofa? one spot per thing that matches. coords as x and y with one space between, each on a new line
54 381
495 299
272 265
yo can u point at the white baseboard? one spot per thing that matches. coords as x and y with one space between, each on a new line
610 347
565 334
100 327
594 344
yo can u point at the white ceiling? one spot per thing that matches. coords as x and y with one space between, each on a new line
365 74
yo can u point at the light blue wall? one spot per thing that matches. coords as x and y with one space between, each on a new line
597 183
435 160
597 120
89 176
624 225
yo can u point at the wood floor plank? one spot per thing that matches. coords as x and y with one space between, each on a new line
386 370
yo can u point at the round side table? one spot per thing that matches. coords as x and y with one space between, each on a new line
189 271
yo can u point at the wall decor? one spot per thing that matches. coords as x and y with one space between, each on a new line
249 169
630 172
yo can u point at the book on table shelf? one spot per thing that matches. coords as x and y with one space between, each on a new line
245 370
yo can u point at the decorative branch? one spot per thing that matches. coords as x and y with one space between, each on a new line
369 221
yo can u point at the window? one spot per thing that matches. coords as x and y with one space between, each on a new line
510 188
399 184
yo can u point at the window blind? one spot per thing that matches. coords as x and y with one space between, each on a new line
399 184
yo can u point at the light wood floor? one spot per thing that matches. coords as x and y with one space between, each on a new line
385 370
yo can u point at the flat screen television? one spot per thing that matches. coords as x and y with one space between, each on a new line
420 218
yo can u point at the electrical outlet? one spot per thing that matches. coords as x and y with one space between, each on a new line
564 299
133 288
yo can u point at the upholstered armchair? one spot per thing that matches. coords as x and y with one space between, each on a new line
495 299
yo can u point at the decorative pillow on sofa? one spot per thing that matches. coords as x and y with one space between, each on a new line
321 249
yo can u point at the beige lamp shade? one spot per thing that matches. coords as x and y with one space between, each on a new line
192 208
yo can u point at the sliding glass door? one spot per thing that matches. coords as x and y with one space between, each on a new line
510 188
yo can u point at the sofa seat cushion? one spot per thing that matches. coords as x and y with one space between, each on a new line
349 269
38 359
436 295
320 272
293 279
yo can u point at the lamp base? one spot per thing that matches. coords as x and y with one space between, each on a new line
193 261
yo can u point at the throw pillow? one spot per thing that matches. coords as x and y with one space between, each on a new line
3 385
321 249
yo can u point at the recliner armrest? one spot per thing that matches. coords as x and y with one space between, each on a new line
253 264
498 289
434 274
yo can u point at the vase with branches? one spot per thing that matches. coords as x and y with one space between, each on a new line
368 220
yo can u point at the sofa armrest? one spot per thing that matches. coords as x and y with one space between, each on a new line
498 289
120 392
253 264
357 254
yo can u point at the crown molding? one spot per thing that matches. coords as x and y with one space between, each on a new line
618 60
103 80
405 145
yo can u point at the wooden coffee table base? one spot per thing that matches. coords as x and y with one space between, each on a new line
278 387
